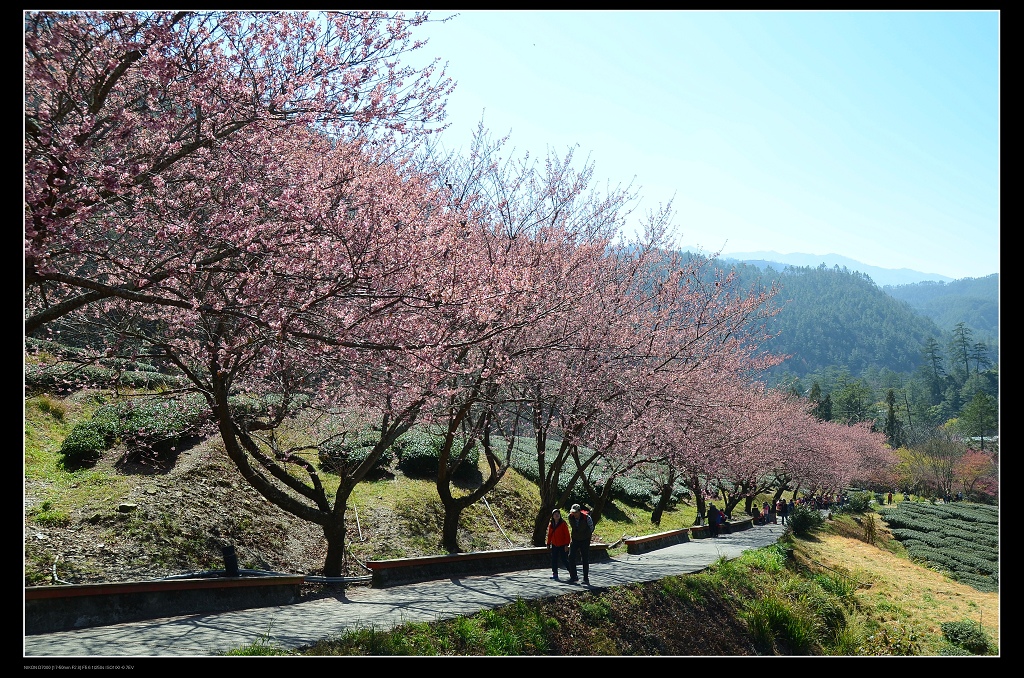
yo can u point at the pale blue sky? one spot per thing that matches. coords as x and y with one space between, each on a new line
874 135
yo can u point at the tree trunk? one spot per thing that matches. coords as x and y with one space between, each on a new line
334 562
601 500
663 501
450 529
540 525
447 467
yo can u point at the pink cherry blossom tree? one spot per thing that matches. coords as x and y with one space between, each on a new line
539 228
656 335
222 190
123 109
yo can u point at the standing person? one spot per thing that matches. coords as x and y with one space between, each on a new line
582 528
791 507
780 509
712 520
890 497
558 542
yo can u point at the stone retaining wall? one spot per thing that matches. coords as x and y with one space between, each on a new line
638 545
72 606
427 568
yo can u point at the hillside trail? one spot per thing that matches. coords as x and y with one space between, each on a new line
302 624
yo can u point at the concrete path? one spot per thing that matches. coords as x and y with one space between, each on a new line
293 626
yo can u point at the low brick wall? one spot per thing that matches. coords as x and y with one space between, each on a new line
651 542
72 606
427 568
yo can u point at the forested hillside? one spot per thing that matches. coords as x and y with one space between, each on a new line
974 301
837 317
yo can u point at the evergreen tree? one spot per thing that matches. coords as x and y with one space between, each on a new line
852 402
823 410
932 369
960 349
893 426
980 417
979 354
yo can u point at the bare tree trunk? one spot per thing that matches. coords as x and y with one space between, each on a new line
664 499
334 562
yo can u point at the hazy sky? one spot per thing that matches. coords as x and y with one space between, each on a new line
874 134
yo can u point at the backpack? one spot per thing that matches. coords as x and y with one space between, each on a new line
590 521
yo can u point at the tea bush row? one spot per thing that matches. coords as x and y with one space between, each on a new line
64 378
960 539
142 424
951 559
968 512
958 566
148 425
417 453
948 538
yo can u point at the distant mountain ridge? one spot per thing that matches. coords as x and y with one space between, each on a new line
974 301
880 276
839 317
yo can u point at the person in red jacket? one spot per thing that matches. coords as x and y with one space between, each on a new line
558 542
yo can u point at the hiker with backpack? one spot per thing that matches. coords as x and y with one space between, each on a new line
558 542
582 527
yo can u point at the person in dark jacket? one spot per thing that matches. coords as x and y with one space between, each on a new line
712 520
582 527
558 542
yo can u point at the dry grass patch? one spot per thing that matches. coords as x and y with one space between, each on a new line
898 590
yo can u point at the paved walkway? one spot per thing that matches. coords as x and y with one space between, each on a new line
299 624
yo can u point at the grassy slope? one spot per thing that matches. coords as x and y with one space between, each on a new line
896 590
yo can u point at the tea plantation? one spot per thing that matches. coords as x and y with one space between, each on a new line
959 539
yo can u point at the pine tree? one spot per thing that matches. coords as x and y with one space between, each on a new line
893 426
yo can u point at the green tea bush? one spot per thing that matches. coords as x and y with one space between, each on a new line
343 454
145 426
62 378
419 451
968 635
84 444
858 502
157 425
961 540
804 520
88 439
634 487
247 406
